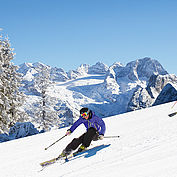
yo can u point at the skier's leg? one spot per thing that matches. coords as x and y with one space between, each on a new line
88 136
85 139
96 136
74 143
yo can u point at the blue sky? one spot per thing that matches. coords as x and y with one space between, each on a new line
67 33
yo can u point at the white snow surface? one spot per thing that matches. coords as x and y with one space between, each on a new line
147 147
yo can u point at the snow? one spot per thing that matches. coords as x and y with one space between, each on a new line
147 147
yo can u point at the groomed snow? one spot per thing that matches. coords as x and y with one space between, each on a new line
147 147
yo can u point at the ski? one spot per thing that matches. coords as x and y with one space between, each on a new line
48 162
78 152
51 161
172 114
92 149
74 154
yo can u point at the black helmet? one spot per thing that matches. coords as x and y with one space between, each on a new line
86 110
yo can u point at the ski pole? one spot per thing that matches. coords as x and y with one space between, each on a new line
111 136
174 104
55 142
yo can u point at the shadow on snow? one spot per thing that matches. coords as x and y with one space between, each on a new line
91 152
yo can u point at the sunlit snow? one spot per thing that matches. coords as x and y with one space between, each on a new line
147 147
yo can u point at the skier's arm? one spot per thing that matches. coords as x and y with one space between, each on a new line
75 125
103 127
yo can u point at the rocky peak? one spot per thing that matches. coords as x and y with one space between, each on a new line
98 68
168 94
157 83
147 67
141 68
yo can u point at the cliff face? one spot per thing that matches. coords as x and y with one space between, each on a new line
160 89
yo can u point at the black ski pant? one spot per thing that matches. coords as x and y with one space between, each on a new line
85 139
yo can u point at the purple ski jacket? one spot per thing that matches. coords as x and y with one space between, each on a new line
95 122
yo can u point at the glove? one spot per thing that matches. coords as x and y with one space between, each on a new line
68 132
101 137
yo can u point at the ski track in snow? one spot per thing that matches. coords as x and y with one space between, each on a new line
147 147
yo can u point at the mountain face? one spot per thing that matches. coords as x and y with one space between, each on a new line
142 68
168 94
98 68
29 71
157 82
106 90
145 97
140 99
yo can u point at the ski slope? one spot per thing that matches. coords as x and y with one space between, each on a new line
147 147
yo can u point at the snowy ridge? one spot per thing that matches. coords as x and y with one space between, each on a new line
146 147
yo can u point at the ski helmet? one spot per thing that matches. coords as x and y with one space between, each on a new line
86 110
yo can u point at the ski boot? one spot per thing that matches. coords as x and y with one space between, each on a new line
81 148
64 154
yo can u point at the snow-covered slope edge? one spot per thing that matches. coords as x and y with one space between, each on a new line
147 147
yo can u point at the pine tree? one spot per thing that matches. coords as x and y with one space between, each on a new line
45 112
10 97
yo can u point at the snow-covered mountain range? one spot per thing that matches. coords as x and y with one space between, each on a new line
107 90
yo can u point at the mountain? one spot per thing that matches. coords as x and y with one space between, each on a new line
168 94
107 90
157 85
84 69
140 69
146 148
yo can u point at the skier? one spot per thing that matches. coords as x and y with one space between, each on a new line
95 130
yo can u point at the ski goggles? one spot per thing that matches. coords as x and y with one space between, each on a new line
85 114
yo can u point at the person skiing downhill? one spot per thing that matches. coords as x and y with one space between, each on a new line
95 127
